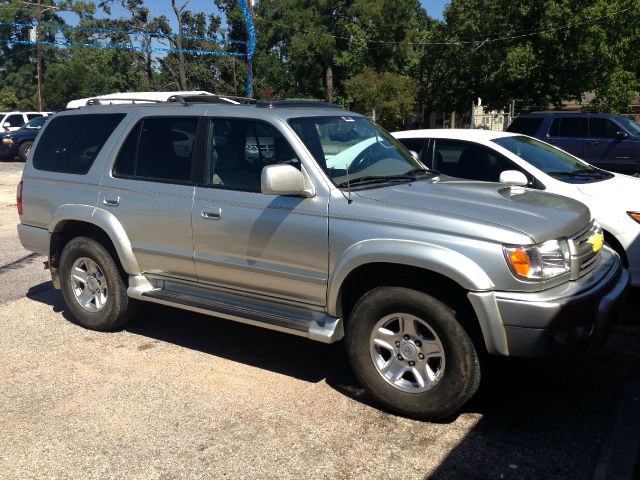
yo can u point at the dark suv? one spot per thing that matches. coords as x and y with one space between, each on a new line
607 141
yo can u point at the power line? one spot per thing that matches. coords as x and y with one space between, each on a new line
465 40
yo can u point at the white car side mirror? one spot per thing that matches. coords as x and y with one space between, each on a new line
513 178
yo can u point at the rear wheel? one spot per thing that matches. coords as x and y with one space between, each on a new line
24 149
411 354
92 286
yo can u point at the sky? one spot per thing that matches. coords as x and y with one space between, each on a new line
163 7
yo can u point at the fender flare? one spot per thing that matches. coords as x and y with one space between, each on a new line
435 258
106 222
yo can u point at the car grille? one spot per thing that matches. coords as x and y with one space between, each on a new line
583 258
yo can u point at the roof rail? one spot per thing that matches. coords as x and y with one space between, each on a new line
100 101
295 103
224 99
562 112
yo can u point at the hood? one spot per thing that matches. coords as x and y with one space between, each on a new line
540 215
621 188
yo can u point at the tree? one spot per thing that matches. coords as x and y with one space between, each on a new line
391 95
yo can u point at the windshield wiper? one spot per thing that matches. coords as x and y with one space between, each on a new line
369 179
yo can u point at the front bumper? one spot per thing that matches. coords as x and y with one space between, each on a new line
8 151
579 312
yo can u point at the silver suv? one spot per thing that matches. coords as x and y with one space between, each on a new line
311 220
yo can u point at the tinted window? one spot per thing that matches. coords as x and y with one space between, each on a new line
31 116
36 123
470 160
71 143
159 149
14 121
418 145
525 125
239 150
602 128
569 127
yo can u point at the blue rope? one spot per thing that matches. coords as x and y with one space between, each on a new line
122 47
251 44
126 32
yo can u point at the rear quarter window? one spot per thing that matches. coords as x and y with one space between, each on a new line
71 143
526 126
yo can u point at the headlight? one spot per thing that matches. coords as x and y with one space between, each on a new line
538 262
7 141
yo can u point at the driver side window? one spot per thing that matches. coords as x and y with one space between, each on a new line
238 150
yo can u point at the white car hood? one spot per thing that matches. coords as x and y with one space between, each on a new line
622 189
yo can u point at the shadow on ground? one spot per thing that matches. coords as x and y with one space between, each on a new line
538 419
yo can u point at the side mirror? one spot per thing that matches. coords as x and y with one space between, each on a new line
513 178
621 135
6 125
282 180
414 154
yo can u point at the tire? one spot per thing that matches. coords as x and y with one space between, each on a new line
23 150
391 321
98 304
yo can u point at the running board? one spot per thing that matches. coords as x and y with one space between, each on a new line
314 325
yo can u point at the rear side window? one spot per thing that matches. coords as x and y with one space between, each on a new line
159 149
525 125
569 127
71 143
31 116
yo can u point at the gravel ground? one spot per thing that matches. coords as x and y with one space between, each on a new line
179 395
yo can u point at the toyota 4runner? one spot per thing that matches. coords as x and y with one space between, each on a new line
311 220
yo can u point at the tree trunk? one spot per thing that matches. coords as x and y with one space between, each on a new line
328 80
178 42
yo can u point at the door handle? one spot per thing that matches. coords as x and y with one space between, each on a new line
111 201
211 213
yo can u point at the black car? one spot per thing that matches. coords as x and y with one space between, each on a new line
611 142
18 143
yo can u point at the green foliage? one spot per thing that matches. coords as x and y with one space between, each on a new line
363 54
8 99
391 95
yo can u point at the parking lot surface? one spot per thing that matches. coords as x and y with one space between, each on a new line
179 395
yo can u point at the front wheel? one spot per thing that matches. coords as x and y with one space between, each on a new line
92 286
411 354
24 149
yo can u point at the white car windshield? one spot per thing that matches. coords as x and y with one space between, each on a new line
552 161
353 150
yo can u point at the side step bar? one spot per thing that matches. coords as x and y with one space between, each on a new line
305 323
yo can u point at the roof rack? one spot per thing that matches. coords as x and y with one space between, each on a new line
181 99
295 104
204 98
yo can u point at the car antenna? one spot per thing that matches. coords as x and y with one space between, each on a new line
349 199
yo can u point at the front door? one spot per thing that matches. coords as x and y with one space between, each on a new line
274 246
606 150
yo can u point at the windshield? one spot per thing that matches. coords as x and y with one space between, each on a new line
355 150
550 160
35 123
629 124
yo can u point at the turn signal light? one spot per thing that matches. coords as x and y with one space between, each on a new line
520 262
635 216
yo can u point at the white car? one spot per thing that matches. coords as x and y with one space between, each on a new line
12 121
614 199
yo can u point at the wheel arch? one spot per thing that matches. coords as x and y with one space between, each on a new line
75 220
434 270
613 242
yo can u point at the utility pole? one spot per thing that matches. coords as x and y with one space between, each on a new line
39 46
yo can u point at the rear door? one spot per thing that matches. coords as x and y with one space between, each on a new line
150 191
570 133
